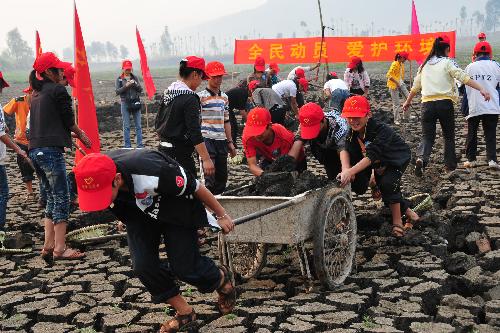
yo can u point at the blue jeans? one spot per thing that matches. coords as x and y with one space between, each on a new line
51 170
136 115
4 196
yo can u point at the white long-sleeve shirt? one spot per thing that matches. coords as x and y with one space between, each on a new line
487 74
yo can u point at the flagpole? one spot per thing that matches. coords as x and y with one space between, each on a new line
147 116
75 105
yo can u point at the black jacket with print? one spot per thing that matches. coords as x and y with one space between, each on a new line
383 145
159 190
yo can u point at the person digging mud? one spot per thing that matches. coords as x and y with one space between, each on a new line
380 157
326 134
178 120
269 99
264 142
156 197
288 90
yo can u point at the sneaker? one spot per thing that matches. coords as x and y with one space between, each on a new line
469 164
419 168
494 165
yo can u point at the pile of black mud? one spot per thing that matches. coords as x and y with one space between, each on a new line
280 179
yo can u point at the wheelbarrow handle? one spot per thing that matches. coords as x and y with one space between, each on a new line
264 212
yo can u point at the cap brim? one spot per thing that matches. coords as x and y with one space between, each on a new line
217 74
62 65
127 67
310 132
260 68
250 131
95 200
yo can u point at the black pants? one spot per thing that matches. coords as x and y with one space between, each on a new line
234 127
300 99
217 149
278 113
27 173
489 122
183 155
357 91
443 112
184 259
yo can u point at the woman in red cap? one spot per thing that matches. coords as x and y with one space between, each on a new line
396 83
379 157
259 74
178 120
436 80
129 89
356 77
51 123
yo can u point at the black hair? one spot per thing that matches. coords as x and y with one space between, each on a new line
397 57
482 54
331 77
185 71
438 50
359 67
37 84
256 71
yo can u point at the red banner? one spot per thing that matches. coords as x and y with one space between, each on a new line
38 45
146 74
87 117
337 49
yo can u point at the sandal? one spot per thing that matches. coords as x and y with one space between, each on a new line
46 254
398 231
227 300
179 323
73 254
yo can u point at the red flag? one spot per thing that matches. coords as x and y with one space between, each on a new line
146 74
38 45
415 29
87 118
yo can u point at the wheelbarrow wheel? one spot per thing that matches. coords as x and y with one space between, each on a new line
247 259
334 242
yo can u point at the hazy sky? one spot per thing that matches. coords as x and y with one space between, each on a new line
115 20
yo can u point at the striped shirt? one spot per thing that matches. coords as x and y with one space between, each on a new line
214 113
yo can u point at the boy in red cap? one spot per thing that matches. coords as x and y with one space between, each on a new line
157 198
476 109
326 134
273 71
129 89
379 157
481 37
215 126
289 91
300 71
261 138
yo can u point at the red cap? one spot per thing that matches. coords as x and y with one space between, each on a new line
299 72
355 107
260 64
28 90
310 117
94 176
334 74
481 35
48 60
196 63
3 83
69 73
355 61
253 85
126 64
483 47
215 68
404 55
274 66
304 84
257 121
445 39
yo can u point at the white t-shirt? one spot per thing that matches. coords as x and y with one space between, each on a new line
292 76
285 88
3 148
335 84
487 74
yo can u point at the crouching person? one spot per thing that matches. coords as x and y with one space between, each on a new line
154 197
379 157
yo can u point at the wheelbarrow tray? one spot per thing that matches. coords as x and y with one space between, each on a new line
290 225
